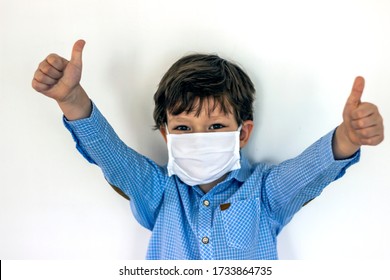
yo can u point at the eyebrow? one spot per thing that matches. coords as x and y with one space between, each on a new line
178 119
187 118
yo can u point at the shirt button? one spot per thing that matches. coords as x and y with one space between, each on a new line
206 203
205 240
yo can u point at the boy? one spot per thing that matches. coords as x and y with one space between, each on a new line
209 202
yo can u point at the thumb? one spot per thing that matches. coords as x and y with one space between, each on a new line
77 51
354 98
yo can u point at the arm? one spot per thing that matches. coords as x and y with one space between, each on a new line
294 182
297 181
139 178
59 79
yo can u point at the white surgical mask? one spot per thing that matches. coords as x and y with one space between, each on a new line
201 158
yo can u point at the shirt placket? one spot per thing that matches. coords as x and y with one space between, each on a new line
204 228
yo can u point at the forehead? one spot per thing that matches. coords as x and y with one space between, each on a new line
207 107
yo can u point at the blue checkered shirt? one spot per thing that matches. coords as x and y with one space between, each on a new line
239 218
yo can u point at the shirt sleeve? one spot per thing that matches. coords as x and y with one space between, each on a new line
295 182
141 179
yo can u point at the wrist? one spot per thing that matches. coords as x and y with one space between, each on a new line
342 146
77 105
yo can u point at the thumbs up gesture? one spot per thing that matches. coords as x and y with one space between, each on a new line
362 124
59 79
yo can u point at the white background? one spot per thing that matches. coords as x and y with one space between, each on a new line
302 56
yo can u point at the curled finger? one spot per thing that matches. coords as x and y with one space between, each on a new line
49 70
43 78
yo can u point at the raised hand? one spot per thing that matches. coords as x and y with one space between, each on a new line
59 79
362 124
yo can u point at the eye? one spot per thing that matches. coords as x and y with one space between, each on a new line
216 126
182 128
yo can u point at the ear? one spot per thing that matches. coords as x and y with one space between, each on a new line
163 132
246 131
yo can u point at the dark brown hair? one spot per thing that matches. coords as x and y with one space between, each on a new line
203 77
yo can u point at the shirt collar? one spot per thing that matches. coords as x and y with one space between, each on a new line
243 173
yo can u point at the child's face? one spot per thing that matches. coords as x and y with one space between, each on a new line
206 121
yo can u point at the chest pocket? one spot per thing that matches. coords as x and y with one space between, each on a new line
241 222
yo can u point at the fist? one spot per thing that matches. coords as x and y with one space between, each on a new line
57 77
363 124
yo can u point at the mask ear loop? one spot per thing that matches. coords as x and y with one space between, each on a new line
239 131
166 128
